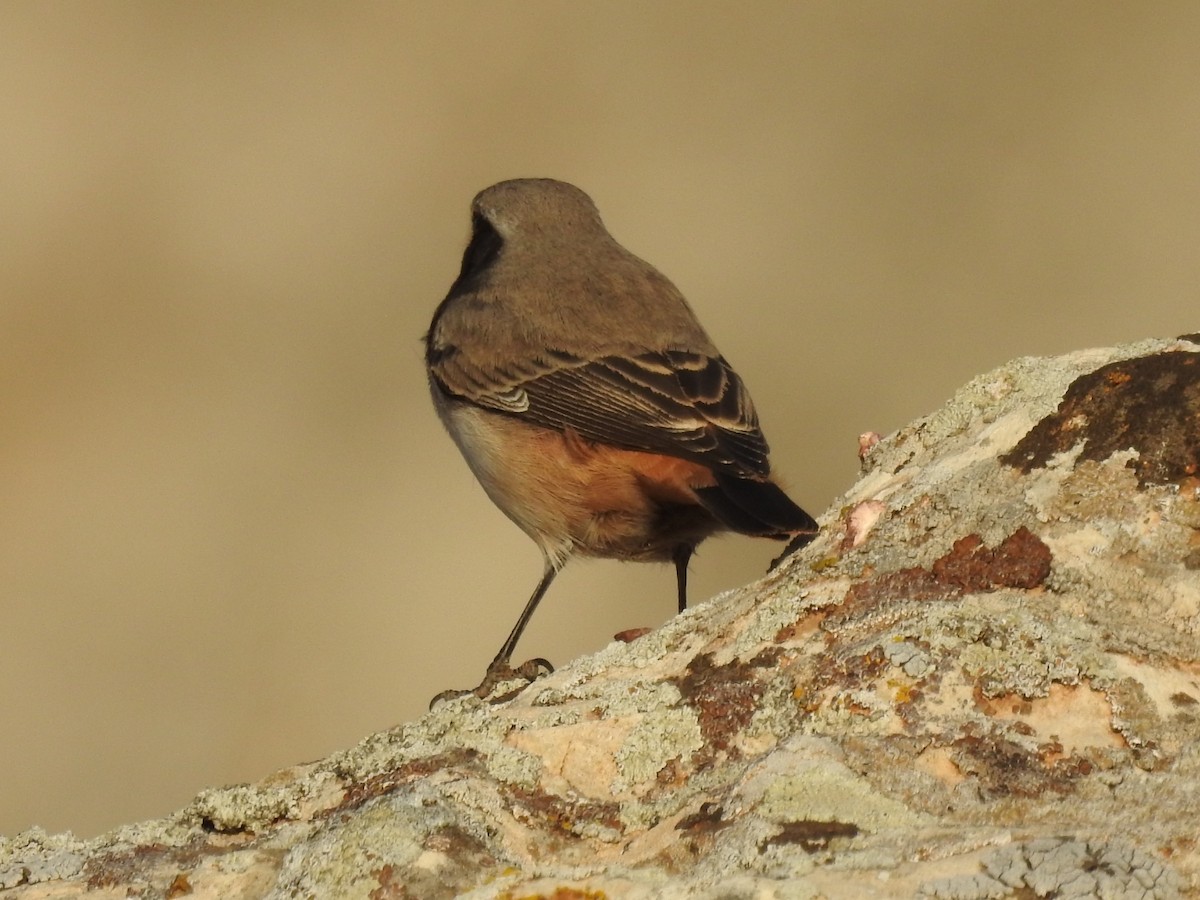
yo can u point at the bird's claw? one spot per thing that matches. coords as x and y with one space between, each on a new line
801 539
498 673
530 670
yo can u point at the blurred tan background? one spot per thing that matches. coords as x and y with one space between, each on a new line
232 533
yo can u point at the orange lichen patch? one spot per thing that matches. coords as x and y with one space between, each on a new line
559 893
893 698
1072 716
809 700
804 627
860 668
903 692
582 755
936 761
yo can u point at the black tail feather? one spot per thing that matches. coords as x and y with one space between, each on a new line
755 507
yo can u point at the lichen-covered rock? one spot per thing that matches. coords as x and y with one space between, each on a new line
981 681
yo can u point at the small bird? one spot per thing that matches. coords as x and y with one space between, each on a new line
589 402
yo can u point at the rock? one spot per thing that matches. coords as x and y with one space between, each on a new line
981 680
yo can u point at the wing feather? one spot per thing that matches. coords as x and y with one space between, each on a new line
673 402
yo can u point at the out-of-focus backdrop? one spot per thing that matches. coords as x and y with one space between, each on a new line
232 533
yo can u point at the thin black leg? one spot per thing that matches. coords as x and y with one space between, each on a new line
505 655
500 670
682 554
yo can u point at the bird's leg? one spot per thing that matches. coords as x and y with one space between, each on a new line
682 554
510 643
501 669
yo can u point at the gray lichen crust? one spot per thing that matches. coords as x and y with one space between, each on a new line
982 680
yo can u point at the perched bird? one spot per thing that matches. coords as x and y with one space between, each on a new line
588 401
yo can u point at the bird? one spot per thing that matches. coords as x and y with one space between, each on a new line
589 402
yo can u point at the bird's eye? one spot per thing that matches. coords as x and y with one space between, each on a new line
483 249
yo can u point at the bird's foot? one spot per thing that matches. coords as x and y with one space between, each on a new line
802 539
500 672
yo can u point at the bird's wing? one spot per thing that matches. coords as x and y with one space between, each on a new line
674 402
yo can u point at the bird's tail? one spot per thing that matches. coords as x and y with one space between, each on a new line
759 508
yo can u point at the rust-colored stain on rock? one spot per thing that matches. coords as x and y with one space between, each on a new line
562 814
708 818
1004 766
725 697
1150 404
128 865
559 893
811 834
359 792
463 858
1021 560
